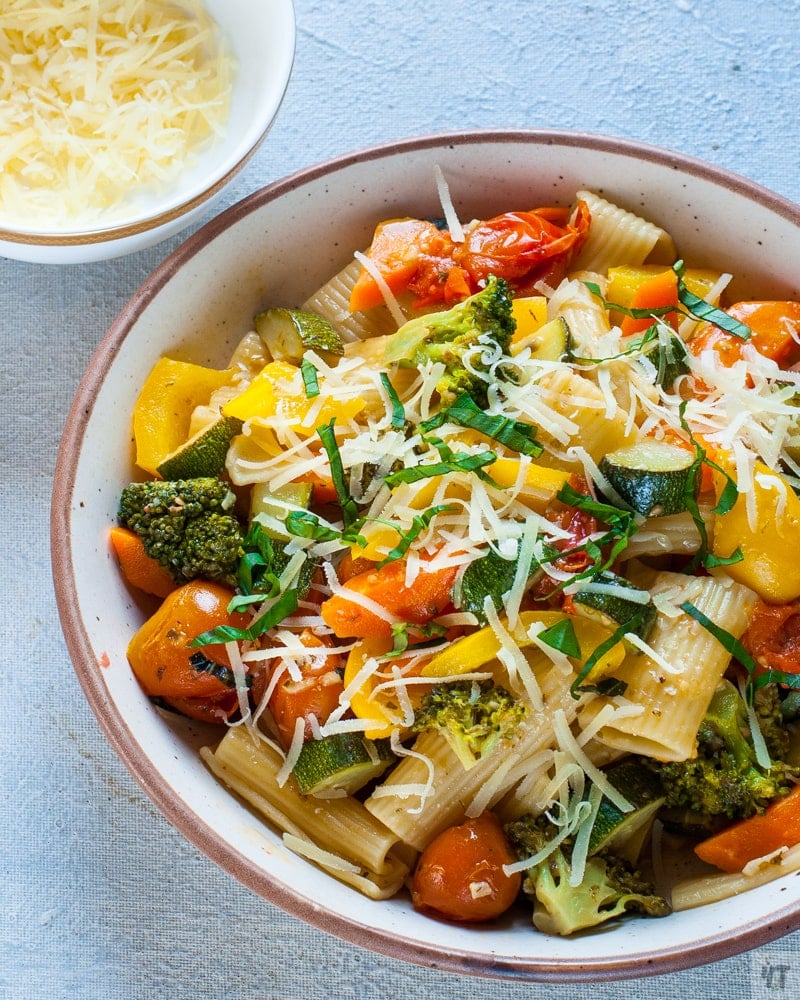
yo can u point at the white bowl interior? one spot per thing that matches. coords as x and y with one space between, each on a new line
261 34
274 248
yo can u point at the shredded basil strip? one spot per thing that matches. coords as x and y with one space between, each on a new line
562 638
418 524
255 571
608 685
465 412
284 606
347 504
454 463
310 380
304 524
646 313
737 650
701 309
694 305
398 412
203 665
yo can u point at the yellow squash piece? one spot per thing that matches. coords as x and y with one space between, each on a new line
278 392
163 411
624 281
473 652
366 702
530 313
769 563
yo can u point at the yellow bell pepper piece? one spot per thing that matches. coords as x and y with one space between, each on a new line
624 281
539 486
769 563
474 652
278 390
367 703
530 313
163 410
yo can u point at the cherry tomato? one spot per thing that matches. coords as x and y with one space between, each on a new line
772 636
512 246
316 693
160 652
460 876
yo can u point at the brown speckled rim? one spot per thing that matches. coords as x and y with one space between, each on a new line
713 947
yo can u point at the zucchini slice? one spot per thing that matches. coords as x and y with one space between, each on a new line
289 333
604 600
653 477
551 342
624 833
344 761
203 454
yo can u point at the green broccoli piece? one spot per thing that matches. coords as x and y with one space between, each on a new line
473 717
610 887
187 525
483 320
724 780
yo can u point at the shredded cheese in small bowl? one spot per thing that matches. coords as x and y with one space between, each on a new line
117 114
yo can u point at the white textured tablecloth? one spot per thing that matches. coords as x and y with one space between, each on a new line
101 899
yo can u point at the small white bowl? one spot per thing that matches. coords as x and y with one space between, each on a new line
275 247
261 34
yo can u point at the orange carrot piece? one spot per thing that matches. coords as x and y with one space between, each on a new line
733 847
427 597
654 293
138 568
775 326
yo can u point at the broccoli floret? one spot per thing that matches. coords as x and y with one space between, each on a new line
483 320
187 525
472 717
610 887
724 780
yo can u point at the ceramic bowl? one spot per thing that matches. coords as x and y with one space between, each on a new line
275 247
261 34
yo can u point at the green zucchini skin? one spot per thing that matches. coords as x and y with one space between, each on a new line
346 761
654 478
624 833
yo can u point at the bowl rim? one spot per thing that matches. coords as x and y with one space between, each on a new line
713 947
154 220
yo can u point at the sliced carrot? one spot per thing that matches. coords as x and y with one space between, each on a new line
657 292
775 327
428 596
736 845
138 568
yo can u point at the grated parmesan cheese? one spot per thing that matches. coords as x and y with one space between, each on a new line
101 96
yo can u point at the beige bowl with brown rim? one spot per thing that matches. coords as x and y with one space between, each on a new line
277 246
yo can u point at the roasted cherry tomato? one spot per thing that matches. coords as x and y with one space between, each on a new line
160 653
460 875
772 637
316 693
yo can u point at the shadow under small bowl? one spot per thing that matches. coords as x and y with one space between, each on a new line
261 36
276 247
